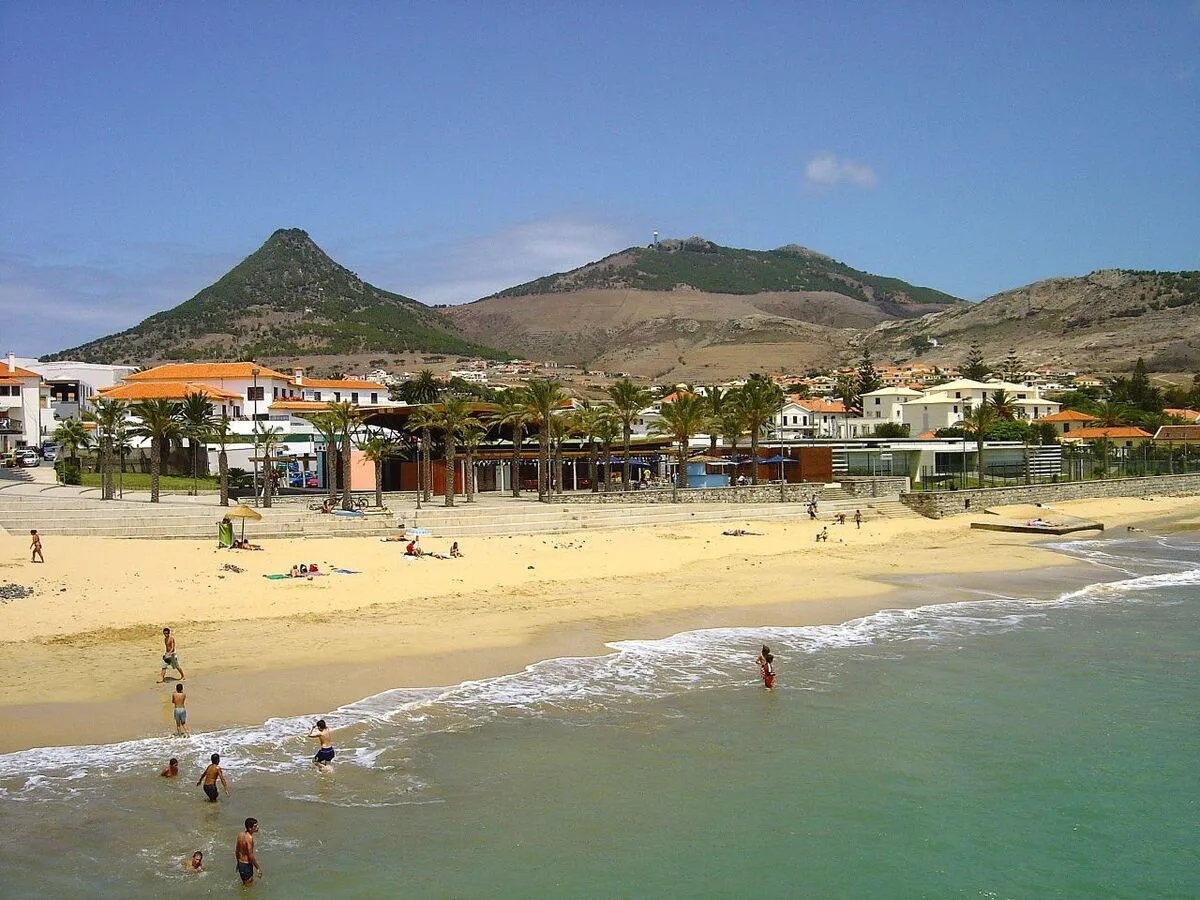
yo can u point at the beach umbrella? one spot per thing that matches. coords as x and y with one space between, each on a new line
416 532
243 512
777 459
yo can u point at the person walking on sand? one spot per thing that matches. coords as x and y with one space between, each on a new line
325 753
243 852
35 546
170 660
209 779
858 518
765 661
178 699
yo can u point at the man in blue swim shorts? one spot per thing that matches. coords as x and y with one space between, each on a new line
243 851
324 756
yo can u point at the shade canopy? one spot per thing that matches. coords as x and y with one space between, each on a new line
710 460
777 459
242 511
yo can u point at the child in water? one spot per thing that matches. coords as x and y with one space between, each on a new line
765 659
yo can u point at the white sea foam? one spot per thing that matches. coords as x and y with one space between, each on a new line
373 733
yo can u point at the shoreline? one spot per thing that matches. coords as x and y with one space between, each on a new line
323 650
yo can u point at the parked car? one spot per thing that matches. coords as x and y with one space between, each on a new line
28 459
50 454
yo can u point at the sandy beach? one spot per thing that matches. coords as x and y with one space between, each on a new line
80 657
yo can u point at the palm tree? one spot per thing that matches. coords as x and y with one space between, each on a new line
422 390
195 419
423 419
268 439
324 424
378 450
1004 405
543 397
512 411
560 430
682 418
732 423
346 418
472 437
73 436
109 418
158 421
718 400
1110 414
608 429
585 422
758 401
452 417
220 433
977 421
628 401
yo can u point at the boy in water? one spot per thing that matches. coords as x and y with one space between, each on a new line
178 699
243 851
172 769
209 779
195 863
324 756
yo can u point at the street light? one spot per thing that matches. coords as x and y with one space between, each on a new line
782 397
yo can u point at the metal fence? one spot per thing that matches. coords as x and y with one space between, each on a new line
1078 464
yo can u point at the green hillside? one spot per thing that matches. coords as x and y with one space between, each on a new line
288 298
704 266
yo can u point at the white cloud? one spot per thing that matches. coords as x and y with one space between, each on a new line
826 170
461 271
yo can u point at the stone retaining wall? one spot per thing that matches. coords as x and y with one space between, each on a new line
880 486
938 504
763 493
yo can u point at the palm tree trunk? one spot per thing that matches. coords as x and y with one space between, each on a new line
155 467
268 477
558 467
680 462
331 470
607 465
347 500
448 488
543 466
518 434
625 466
592 466
223 468
193 446
469 477
754 457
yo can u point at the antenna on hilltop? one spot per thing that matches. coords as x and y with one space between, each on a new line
656 239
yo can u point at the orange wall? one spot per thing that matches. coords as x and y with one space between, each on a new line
362 472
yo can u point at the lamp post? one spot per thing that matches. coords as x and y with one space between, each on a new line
782 493
254 415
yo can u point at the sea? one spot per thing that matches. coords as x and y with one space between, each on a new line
1012 737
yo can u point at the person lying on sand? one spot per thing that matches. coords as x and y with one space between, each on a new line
246 545
739 532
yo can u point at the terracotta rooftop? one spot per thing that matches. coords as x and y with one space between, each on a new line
1096 434
205 372
341 383
1191 416
165 390
17 372
1178 433
1068 415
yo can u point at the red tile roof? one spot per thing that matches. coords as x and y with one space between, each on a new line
165 390
1178 433
205 372
1068 415
1096 434
342 383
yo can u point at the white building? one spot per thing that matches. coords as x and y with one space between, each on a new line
946 405
24 407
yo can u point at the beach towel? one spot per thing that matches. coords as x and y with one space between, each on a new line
347 572
277 577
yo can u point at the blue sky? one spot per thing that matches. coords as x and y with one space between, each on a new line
447 150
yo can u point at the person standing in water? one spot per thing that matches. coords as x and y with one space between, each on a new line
209 779
765 664
178 699
325 754
243 852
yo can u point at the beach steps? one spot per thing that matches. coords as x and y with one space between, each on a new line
185 520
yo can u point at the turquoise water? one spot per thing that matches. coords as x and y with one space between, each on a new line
995 748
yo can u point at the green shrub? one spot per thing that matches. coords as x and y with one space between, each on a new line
68 472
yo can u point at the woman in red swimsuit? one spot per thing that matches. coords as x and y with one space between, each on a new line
764 664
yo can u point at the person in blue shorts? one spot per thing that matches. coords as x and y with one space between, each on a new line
325 754
209 779
243 851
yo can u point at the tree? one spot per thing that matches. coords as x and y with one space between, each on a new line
1012 368
628 401
158 420
973 366
847 391
346 419
472 436
868 378
586 422
680 419
109 418
1004 404
977 422
560 430
759 400
543 397
267 440
717 400
73 436
608 429
221 434
378 449
732 423
422 390
512 412
423 419
451 418
195 420
891 430
1110 414
323 423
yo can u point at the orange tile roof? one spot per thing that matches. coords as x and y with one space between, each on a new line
1190 414
926 435
1178 433
17 372
1095 434
300 405
165 390
1068 415
823 406
336 383
205 371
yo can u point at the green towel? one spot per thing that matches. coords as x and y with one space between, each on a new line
276 577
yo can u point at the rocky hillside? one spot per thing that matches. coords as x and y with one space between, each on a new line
287 300
1100 322
695 310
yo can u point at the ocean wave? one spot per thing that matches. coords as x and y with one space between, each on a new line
377 734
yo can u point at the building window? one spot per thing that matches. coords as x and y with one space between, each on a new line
255 393
317 395
354 397
877 401
337 396
274 393
374 399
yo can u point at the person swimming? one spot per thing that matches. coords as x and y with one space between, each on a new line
195 862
